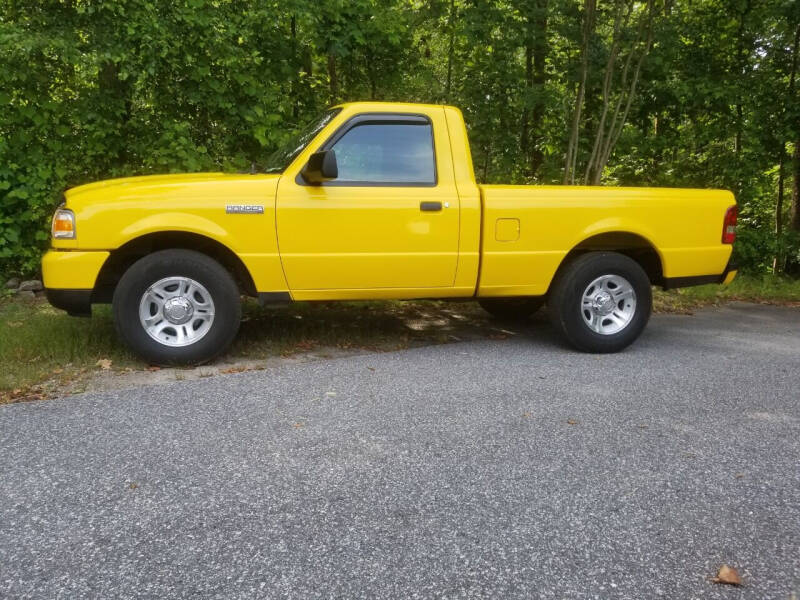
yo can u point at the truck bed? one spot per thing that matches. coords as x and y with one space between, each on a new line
527 231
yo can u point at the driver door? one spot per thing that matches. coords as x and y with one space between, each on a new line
387 221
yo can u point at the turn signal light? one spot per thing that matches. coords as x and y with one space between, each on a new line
64 224
729 225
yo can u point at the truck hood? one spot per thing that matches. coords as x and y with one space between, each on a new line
161 186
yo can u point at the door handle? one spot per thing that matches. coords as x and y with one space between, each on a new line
430 206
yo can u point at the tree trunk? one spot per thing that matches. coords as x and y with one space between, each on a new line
540 50
776 261
794 219
332 80
599 138
741 54
737 142
794 212
572 145
618 124
371 76
486 158
524 134
607 135
296 71
451 49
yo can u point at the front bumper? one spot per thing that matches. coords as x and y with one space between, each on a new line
69 278
77 303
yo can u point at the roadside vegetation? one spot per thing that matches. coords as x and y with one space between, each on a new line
44 352
764 289
675 93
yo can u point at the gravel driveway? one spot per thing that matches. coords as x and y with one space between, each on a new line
493 469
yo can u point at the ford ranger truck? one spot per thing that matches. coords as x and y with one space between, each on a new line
376 201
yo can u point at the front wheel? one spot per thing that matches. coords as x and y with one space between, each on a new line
601 301
177 307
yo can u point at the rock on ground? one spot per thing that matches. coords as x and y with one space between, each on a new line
32 285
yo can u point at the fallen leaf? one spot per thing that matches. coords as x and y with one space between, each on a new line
298 425
104 363
572 422
371 368
643 426
24 394
57 371
527 414
233 370
727 575
133 486
739 475
153 368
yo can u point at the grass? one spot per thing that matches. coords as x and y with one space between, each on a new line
39 343
43 350
766 289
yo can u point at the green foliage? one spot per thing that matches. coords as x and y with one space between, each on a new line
764 289
92 89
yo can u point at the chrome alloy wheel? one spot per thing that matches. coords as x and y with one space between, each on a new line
608 304
176 311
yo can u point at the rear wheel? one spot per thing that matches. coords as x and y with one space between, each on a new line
601 301
177 307
511 309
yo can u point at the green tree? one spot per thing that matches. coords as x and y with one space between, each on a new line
697 93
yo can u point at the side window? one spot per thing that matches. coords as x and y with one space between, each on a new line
386 153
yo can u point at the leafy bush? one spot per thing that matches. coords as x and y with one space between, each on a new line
92 89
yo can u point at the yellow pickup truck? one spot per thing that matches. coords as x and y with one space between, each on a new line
376 201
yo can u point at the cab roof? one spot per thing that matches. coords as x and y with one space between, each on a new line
392 105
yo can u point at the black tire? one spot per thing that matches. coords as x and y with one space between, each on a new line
216 280
566 296
511 309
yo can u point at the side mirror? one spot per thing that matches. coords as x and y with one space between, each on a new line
321 166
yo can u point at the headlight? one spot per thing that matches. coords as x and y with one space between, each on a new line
63 224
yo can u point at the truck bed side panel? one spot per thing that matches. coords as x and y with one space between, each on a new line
528 230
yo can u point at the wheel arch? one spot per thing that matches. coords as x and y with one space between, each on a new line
634 245
120 259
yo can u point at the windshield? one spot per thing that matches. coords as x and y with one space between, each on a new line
283 156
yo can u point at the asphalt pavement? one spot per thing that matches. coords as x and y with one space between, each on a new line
512 468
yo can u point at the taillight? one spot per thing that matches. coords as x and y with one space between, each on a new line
729 225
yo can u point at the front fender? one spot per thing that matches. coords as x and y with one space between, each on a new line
176 221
